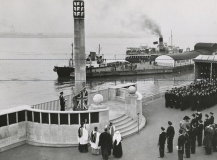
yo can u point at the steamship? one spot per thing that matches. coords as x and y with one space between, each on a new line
91 60
145 53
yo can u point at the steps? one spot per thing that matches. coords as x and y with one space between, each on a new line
125 125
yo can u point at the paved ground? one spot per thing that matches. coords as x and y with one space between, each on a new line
142 146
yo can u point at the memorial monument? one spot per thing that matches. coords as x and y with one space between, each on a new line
80 100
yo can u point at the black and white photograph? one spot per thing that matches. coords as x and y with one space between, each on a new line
108 79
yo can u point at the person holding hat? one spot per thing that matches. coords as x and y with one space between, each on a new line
62 102
184 124
200 133
170 136
161 142
211 119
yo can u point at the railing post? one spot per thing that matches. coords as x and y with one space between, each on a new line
58 118
7 120
49 121
69 119
79 118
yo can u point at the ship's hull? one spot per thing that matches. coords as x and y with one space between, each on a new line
66 72
63 71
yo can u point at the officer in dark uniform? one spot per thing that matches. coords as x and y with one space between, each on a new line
211 119
170 136
167 99
193 138
62 102
206 123
200 133
193 121
161 142
188 142
181 143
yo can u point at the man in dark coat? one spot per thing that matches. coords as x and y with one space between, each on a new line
62 102
188 142
105 141
193 138
193 121
167 99
200 132
211 119
161 142
214 139
181 142
170 136
206 123
208 139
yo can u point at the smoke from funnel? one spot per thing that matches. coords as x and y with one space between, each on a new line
151 25
141 23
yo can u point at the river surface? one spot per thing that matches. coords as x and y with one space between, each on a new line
27 77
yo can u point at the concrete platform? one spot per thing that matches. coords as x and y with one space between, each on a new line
142 146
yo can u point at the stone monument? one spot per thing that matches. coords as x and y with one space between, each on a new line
79 46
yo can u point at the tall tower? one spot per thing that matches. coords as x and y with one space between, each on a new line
79 46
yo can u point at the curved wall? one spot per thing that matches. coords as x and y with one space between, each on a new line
46 128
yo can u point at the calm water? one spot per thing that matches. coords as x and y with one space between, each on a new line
32 80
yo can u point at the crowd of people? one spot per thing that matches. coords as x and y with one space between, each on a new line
205 133
198 95
192 131
101 143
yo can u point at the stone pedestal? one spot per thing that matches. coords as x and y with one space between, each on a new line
133 106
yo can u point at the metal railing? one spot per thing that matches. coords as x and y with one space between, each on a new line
54 105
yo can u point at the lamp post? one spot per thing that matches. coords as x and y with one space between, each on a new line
138 122
115 62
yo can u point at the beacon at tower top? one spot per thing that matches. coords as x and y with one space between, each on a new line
78 8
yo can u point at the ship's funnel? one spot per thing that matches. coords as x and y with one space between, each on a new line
161 45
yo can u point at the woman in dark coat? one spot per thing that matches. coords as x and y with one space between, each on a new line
117 147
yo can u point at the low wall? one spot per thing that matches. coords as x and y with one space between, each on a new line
116 92
46 128
43 127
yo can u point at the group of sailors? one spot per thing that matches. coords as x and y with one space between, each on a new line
197 96
101 143
193 130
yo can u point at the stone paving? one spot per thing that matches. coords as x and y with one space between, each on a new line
142 146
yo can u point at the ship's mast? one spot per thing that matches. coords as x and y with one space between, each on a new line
99 50
171 38
72 55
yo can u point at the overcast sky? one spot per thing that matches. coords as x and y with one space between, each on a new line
113 17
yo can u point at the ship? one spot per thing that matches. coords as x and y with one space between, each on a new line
92 61
146 53
133 64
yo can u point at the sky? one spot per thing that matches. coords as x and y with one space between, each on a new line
113 18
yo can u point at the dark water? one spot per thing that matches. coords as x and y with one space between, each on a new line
27 77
